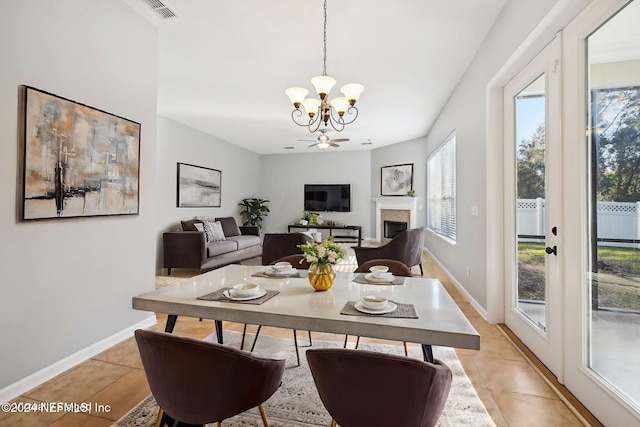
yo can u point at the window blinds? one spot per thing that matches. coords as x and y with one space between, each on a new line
442 189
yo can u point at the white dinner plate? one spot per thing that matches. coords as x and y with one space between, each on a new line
274 272
371 278
387 308
261 293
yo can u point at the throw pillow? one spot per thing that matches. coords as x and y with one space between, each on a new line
213 231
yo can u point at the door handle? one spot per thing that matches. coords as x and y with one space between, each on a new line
553 250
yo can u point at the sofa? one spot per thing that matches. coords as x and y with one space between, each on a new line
195 248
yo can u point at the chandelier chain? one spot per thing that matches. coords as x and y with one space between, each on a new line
324 62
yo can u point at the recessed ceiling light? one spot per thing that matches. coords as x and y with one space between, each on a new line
289 148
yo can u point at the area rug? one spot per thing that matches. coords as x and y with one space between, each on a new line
297 404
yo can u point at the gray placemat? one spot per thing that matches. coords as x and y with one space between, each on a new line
397 280
407 311
276 276
219 296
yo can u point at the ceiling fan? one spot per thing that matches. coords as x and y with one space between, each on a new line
324 141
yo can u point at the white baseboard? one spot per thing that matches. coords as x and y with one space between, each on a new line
45 374
460 288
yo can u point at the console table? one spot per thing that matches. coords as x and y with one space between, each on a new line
357 228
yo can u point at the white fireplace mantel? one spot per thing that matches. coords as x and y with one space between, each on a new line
398 203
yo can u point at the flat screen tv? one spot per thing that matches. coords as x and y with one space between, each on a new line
327 197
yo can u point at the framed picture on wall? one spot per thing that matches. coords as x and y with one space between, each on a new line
396 180
198 186
77 160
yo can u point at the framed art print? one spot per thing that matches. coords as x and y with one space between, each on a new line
198 186
78 160
396 180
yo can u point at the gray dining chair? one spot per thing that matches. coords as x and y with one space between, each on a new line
362 388
196 382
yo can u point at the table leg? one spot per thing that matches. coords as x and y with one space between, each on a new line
427 352
219 331
171 323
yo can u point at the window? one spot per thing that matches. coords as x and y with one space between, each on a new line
441 194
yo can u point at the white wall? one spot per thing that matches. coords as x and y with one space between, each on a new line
465 113
413 151
240 169
67 284
284 176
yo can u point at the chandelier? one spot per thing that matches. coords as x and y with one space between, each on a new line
337 112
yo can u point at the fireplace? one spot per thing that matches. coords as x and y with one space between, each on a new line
394 210
392 228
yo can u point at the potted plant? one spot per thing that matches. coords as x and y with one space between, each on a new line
255 209
304 219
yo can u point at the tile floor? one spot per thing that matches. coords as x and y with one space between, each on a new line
510 385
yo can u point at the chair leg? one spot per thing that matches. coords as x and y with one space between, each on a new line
264 417
357 342
310 343
346 338
406 352
159 419
295 342
244 333
421 272
256 338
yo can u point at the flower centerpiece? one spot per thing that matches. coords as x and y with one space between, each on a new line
322 257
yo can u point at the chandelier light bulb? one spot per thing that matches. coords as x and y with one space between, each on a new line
323 85
352 92
311 105
340 104
296 95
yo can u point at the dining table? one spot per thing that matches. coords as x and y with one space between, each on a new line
420 310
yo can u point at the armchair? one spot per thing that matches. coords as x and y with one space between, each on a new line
406 247
278 245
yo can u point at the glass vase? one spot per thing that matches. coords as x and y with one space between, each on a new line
321 277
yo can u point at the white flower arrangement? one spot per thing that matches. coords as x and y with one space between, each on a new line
323 254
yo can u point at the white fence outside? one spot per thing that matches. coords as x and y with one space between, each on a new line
616 220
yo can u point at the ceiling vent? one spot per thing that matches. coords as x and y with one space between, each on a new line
161 9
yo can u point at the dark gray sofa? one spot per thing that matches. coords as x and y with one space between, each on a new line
189 249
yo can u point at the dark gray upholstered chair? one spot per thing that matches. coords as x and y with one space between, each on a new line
397 268
406 247
199 382
278 245
362 388
297 261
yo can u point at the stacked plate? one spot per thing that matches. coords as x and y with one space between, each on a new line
372 304
245 291
281 269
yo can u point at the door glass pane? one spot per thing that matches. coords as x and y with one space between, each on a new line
614 188
530 202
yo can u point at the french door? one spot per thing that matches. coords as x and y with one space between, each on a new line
601 129
533 207
572 208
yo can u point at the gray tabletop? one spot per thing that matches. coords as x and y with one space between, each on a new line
298 306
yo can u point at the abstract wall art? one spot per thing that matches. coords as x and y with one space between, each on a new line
397 180
198 186
78 160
